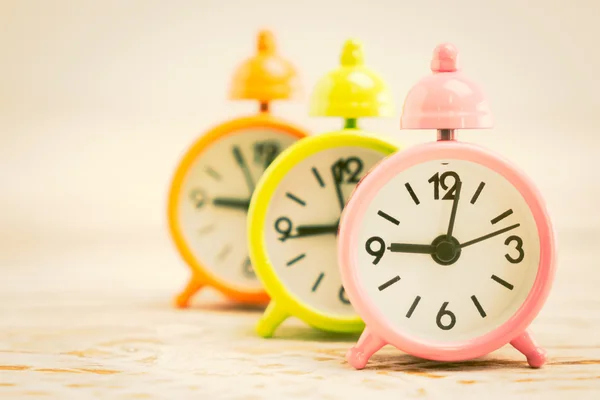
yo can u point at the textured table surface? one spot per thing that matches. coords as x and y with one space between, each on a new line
79 320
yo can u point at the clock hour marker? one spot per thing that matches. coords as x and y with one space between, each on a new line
318 177
503 282
318 282
413 306
389 283
388 217
206 229
502 216
296 259
412 193
296 199
477 192
214 174
478 306
224 252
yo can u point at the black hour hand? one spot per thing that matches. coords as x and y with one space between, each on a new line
310 230
231 202
411 248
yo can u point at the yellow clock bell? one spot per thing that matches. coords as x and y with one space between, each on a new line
211 188
295 210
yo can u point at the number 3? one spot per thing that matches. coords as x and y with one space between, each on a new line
519 248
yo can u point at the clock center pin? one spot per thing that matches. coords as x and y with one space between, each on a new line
447 250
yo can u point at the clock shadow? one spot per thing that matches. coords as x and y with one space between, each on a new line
309 334
225 307
392 361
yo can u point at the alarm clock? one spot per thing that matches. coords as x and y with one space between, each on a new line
446 250
294 212
210 191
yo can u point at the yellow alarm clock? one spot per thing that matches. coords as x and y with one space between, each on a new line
295 210
211 188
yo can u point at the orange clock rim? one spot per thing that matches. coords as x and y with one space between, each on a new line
197 148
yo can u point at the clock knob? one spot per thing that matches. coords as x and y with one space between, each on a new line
446 99
266 76
445 59
352 90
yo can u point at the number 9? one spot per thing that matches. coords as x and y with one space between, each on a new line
198 197
283 225
379 251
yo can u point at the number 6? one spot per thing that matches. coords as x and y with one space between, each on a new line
443 312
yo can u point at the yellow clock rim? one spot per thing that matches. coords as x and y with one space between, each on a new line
257 214
262 120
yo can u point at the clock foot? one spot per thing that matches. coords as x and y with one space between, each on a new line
536 356
183 299
367 345
273 317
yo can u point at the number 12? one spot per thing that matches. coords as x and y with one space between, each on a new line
441 180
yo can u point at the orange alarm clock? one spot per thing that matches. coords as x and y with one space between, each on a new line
211 189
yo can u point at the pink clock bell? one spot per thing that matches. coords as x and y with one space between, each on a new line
446 249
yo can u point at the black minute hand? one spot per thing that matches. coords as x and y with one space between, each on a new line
454 208
336 171
489 235
411 248
239 159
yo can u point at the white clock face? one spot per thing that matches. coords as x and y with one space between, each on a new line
215 196
442 288
302 221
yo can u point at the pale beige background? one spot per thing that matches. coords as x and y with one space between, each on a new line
98 100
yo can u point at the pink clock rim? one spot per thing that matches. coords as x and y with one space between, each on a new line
376 322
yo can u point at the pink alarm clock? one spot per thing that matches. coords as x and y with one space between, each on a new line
446 249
